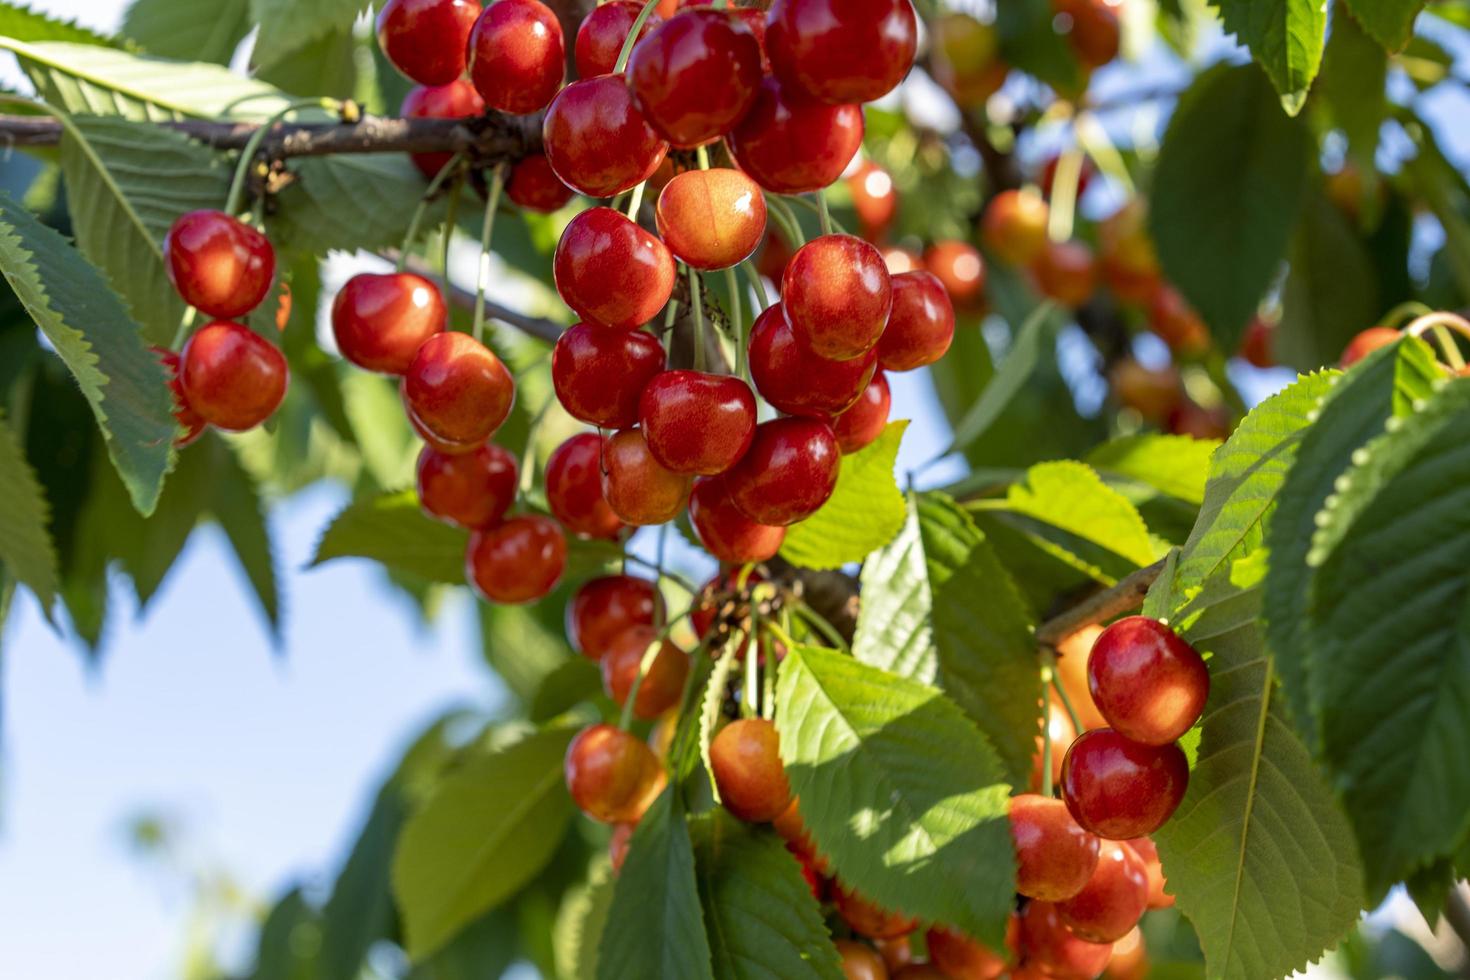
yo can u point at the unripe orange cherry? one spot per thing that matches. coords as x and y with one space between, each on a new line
1013 228
746 761
664 681
1067 272
1051 950
470 491
861 961
612 775
638 488
959 267
381 321
712 219
221 266
963 958
1112 901
232 377
874 198
1054 856
516 562
1147 681
1072 656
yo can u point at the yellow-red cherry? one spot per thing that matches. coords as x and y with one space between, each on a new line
864 421
426 39
921 327
867 918
516 562
597 141
517 56
574 488
712 219
838 295
612 272
381 321
1149 683
1055 857
470 491
695 75
190 421
1148 852
1119 789
534 186
874 198
603 31
724 531
232 377
640 489
605 608
221 266
613 776
1013 227
458 388
1366 343
1096 31
963 958
1050 949
662 684
455 100
860 961
790 143
843 50
960 267
599 373
1067 272
789 472
697 423
1114 898
797 381
746 761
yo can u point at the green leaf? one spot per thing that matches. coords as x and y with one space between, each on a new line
864 513
24 24
391 529
486 948
488 828
1031 43
287 25
1175 465
580 922
327 66
573 681
655 929
350 203
899 789
759 911
360 910
87 325
893 631
1353 82
1389 22
1444 189
1387 636
710 706
1429 887
237 505
26 550
1033 345
1332 291
196 31
1072 497
1285 37
288 941
1226 192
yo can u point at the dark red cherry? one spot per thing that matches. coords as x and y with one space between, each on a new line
695 76
664 681
1258 343
598 142
696 422
1050 948
517 56
603 31
864 422
725 532
838 294
1147 681
611 271
1055 857
869 919
1067 272
220 266
789 472
792 144
381 321
712 219
843 50
795 380
426 39
1119 789
921 326
458 388
745 760
471 491
613 776
231 376
456 100
1114 898
606 608
518 561
957 955
574 488
599 373
534 186
1177 323
638 488
189 420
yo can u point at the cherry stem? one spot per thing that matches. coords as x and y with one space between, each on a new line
756 283
1442 323
701 154
487 228
528 463
1124 597
696 304
1448 347
817 207
1047 676
417 220
815 619
737 315
247 155
790 228
683 582
822 212
1056 683
635 201
750 704
451 216
632 37
1093 137
1410 310
1064 187
185 323
768 695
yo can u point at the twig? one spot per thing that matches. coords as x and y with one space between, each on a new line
538 327
1124 597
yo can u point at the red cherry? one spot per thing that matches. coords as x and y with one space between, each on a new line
664 681
745 759
696 422
695 76
517 56
534 186
611 271
471 491
874 198
612 775
598 142
381 321
232 377
426 39
446 446
921 326
1054 856
456 100
843 50
868 919
1095 31
795 380
638 488
458 388
574 488
1256 347
792 144
1113 900
1013 228
220 266
1148 853
961 268
618 843
959 956
1067 272
788 474
189 420
1148 683
725 532
864 422
1366 343
517 562
860 961
1189 418
838 295
603 31
605 608
1120 789
712 219
1050 948
1176 322
599 373
1129 259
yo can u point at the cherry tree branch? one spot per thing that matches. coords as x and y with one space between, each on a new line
1126 596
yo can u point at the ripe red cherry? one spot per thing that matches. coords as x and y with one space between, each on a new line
446 446
189 420
867 919
1013 228
1148 683
795 380
534 186
574 488
874 199
1148 853
695 76
843 50
864 422
746 759
1096 33
1366 343
712 219
1113 900
1050 948
517 56
792 144
1067 272
606 608
232 377
598 142
788 474
458 389
838 295
611 271
957 955
599 373
921 326
613 776
1120 789
1054 856
471 491
960 267
456 100
725 532
603 31
664 681
1256 347
860 961
638 488
1176 322
220 266
696 422
518 561
426 39
381 321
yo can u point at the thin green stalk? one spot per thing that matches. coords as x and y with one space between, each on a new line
737 318
823 212
451 216
702 155
829 632
696 303
247 156
649 655
528 465
750 704
487 228
817 204
1049 662
756 283
185 323
1447 345
418 215
1063 214
635 201
780 211
1047 675
632 37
